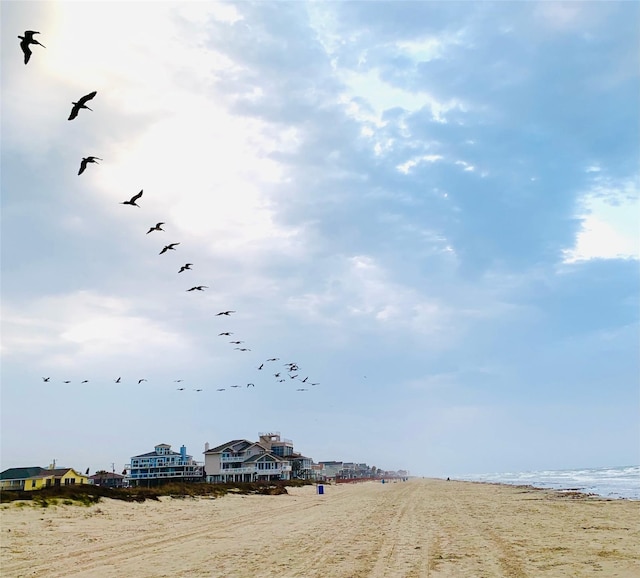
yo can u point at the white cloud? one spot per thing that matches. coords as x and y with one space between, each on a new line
610 215
83 328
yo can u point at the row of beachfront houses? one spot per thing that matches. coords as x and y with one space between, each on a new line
268 459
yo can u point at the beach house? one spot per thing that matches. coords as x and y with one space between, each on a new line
244 461
36 478
163 465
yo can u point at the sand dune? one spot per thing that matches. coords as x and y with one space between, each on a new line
420 528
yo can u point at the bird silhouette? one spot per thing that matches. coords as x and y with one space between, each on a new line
67 381
82 103
235 386
302 389
177 380
242 348
118 380
26 40
158 227
236 342
226 333
225 313
141 380
45 379
221 389
181 389
85 381
132 200
197 390
85 161
251 385
186 267
198 288
273 359
261 366
169 247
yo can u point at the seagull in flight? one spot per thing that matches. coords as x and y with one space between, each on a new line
198 288
132 200
26 40
226 333
82 103
169 247
158 227
85 381
250 384
118 380
225 313
181 389
221 389
242 348
273 359
141 380
67 381
177 380
197 390
45 379
235 386
261 366
186 267
85 161
302 389
236 342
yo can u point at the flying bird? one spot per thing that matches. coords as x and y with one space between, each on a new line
242 348
198 288
181 389
26 40
169 247
46 379
226 333
85 161
276 374
82 103
225 313
273 359
236 342
67 381
302 389
235 386
132 200
158 227
221 389
261 366
185 267
177 380
141 380
118 380
85 381
197 390
250 384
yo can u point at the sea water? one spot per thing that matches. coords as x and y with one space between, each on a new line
611 482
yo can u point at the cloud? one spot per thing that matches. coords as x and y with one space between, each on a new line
609 221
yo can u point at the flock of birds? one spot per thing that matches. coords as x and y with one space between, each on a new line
292 369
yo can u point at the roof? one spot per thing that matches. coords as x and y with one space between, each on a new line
156 454
224 446
107 475
58 472
21 473
267 457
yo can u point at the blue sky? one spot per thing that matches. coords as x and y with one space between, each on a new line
432 208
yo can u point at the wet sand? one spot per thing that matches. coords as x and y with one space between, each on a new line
419 528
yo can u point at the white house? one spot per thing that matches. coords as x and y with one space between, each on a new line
245 461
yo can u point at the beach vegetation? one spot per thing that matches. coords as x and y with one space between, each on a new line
88 494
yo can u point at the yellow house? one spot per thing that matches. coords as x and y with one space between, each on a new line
36 478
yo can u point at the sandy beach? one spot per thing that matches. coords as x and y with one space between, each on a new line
417 528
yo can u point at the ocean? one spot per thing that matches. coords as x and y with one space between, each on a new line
619 482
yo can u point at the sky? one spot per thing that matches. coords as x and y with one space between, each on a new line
431 208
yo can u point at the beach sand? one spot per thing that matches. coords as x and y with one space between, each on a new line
418 528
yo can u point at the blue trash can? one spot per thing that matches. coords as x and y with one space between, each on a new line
320 489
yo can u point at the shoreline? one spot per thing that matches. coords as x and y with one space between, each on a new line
422 527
